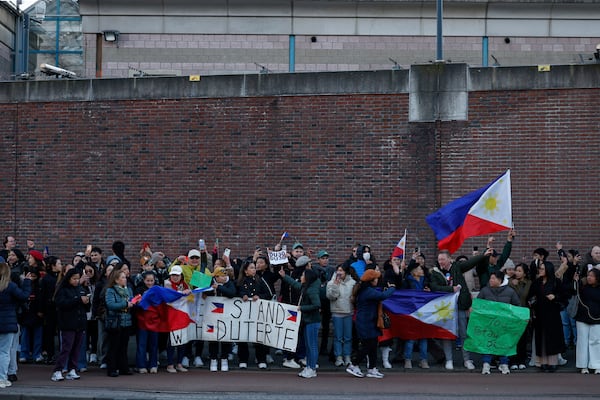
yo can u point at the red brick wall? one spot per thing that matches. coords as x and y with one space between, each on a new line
330 170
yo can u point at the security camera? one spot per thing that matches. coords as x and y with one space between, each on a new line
56 71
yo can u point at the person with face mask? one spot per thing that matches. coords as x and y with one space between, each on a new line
364 260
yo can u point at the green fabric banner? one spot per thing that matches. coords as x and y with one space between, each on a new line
495 328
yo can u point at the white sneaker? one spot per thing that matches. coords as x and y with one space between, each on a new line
291 364
197 362
469 365
224 365
243 366
386 364
142 371
185 362
504 369
561 360
302 372
57 376
354 370
585 371
374 373
5 383
339 361
522 366
308 373
154 370
214 365
407 364
269 359
103 366
262 365
449 365
72 375
347 360
597 372
423 364
514 366
93 358
485 370
302 361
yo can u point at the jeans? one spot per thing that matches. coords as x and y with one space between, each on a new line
82 362
342 331
408 349
588 346
31 335
462 334
6 340
147 342
12 364
487 358
569 328
311 340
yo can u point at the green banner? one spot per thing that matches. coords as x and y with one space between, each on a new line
495 328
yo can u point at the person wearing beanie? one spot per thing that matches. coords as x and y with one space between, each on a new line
367 299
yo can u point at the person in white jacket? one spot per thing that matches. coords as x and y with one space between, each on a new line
339 292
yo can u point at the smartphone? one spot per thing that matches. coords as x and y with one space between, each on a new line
201 244
226 252
475 248
416 249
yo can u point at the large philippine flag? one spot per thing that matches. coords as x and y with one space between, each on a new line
486 210
416 314
166 310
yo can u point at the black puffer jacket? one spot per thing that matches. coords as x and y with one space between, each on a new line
70 309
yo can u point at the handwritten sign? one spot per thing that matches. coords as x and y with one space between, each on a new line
278 257
234 320
495 328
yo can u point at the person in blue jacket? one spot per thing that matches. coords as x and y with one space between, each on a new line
367 298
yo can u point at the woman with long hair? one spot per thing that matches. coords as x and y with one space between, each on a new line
118 323
10 297
367 299
309 305
548 298
521 284
588 323
72 303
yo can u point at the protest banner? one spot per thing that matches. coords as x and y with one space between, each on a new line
234 320
495 328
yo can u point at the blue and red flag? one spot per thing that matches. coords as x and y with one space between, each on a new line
293 315
415 314
217 308
400 248
486 210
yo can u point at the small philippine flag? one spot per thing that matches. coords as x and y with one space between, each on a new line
210 329
218 308
293 315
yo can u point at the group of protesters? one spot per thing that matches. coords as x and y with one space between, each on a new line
89 301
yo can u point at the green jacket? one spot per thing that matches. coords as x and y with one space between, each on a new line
484 270
310 301
439 283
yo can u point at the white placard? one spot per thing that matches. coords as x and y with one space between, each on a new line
278 257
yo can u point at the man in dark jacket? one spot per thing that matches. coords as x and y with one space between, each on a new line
448 277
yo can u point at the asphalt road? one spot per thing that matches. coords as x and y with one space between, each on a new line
332 383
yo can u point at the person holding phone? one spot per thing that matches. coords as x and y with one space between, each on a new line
339 293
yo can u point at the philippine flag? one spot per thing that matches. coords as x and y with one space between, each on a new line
486 210
166 310
293 316
416 314
217 308
210 329
400 248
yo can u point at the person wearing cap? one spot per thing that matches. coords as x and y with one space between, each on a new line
309 304
367 300
223 286
192 263
496 261
177 283
324 272
35 260
448 277
297 250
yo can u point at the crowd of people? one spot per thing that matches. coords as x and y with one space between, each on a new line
89 303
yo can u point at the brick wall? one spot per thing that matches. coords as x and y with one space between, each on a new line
331 170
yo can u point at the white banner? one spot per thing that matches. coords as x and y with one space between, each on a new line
234 320
278 257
